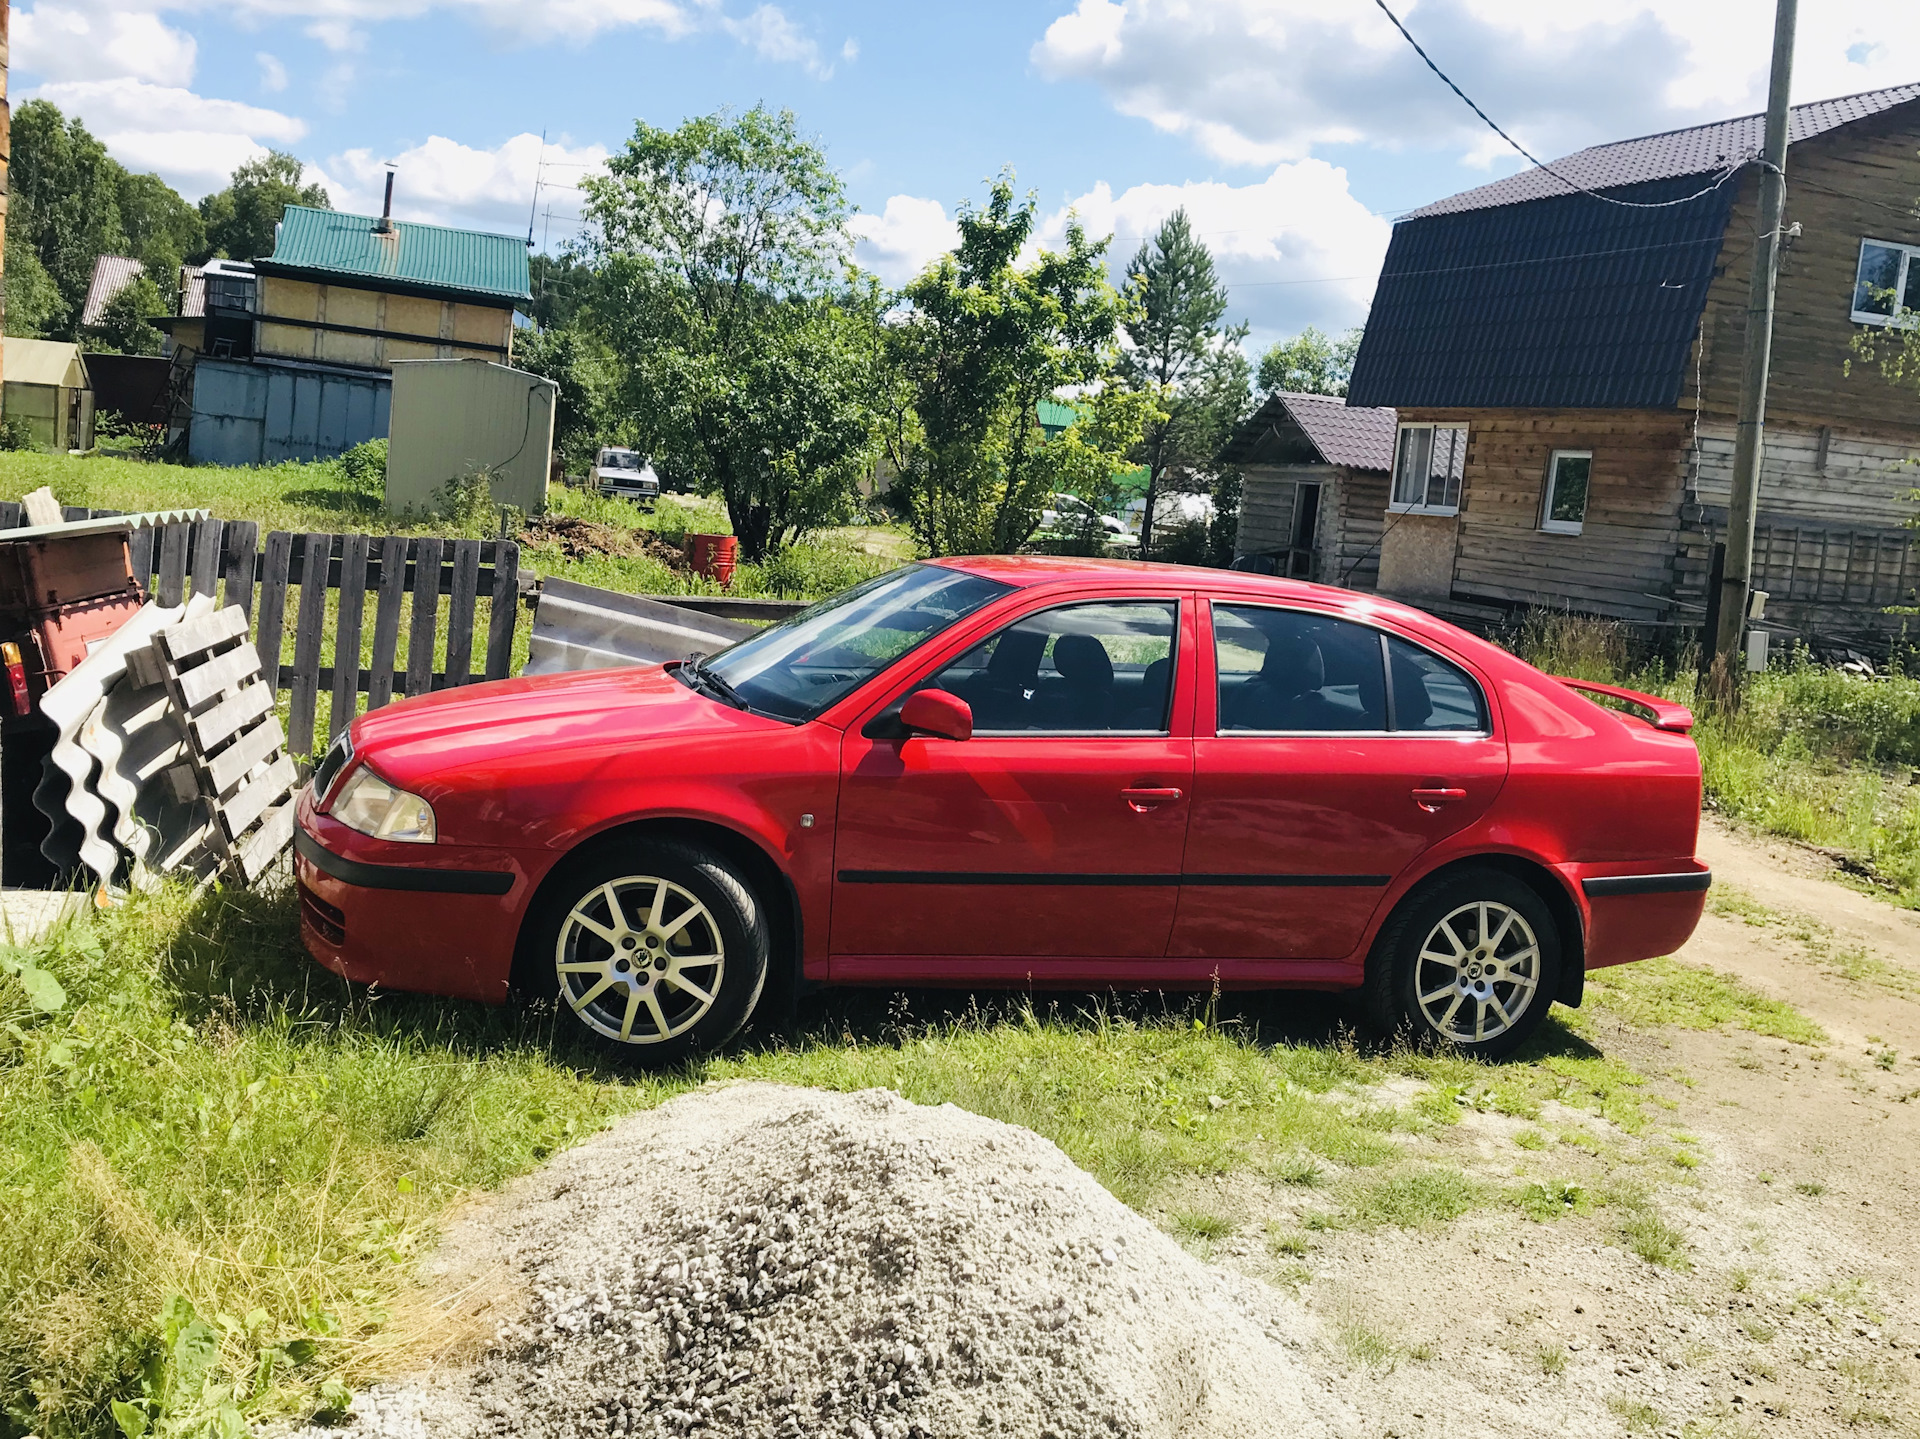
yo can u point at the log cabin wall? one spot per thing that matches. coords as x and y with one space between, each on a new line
1352 546
1856 182
1353 502
1621 564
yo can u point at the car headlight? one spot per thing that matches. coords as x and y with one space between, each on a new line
371 805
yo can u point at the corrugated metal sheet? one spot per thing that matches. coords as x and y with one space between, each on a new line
1699 150
1562 302
468 262
111 275
260 414
193 292
454 418
1343 434
579 627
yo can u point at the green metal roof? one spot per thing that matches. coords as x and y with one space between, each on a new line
1054 416
427 257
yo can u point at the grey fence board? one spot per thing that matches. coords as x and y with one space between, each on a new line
308 625
273 604
386 623
353 599
426 612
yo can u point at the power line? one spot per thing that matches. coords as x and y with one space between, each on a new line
1725 176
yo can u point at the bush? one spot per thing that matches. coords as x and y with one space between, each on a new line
15 434
365 466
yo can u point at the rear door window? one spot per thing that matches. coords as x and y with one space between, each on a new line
1284 671
1430 694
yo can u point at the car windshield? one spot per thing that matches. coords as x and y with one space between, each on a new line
620 460
799 668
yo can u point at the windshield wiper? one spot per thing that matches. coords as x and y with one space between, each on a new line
695 667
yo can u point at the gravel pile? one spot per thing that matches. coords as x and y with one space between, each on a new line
759 1260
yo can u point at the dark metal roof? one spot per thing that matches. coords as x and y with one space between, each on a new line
1699 150
111 275
1564 301
1339 434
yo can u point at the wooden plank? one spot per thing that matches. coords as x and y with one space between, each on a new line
205 574
257 796
230 766
140 556
233 714
346 644
426 611
242 545
308 626
505 611
205 682
273 605
195 637
460 612
172 586
269 841
386 621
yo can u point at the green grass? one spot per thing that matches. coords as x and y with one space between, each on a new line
1811 754
1666 991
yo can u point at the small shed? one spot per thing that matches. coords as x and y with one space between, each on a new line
46 384
1313 490
456 418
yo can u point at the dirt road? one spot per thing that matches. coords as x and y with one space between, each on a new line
1791 1304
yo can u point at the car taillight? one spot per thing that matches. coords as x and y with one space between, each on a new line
16 678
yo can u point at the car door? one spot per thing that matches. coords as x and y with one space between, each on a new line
1328 756
1056 830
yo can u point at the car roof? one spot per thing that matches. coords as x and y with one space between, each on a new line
1036 571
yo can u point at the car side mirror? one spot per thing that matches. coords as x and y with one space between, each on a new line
936 712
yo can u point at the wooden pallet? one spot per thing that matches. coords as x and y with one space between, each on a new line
237 750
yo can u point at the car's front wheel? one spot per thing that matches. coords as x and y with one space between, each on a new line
658 950
1472 961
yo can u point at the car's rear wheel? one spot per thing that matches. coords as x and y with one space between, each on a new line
657 950
1471 961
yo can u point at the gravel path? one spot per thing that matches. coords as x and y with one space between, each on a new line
760 1260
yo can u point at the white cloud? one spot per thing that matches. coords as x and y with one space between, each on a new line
83 42
273 75
898 243
192 142
1294 249
772 35
340 36
1260 81
443 182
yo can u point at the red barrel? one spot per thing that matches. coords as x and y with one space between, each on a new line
714 557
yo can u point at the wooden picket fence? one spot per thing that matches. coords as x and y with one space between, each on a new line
228 560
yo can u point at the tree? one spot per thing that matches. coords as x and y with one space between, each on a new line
124 326
35 306
578 366
982 343
1180 353
63 202
563 288
1310 363
240 219
163 231
747 356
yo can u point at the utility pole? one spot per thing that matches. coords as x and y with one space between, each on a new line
1737 581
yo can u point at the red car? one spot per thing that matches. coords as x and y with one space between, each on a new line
1019 772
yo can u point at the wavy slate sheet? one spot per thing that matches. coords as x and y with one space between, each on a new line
70 704
137 735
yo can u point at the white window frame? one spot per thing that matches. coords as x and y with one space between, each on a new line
1548 524
1902 317
1396 507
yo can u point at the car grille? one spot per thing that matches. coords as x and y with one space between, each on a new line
328 920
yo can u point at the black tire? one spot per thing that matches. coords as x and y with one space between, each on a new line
680 908
1470 1006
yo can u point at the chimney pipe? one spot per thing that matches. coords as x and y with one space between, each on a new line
385 227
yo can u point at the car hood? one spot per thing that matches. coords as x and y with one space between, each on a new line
417 741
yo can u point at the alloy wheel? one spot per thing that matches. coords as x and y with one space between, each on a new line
640 959
1478 972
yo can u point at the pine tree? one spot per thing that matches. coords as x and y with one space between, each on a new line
1177 342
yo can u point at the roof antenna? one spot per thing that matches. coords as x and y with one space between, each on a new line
534 208
385 225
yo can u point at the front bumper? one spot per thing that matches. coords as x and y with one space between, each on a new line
433 919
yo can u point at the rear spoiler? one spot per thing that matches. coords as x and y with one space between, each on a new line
1666 714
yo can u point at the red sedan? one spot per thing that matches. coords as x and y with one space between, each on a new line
1022 772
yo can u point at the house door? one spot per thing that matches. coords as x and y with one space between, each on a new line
1306 528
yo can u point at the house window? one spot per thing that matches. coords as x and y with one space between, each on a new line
1886 287
1427 468
1563 510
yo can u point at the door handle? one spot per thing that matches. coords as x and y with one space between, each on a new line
1431 799
1140 800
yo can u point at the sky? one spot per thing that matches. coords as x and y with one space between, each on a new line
1292 131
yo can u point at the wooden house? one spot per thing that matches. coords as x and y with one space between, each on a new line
292 354
1564 352
1313 487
